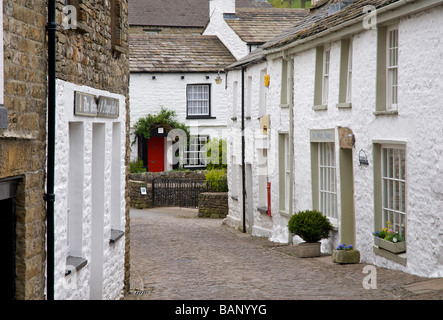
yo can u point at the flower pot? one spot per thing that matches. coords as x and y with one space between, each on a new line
308 249
394 247
346 256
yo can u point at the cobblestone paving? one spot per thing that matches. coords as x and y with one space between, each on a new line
179 257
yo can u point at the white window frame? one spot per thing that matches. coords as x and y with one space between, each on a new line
196 154
327 184
392 68
287 172
198 100
349 77
325 76
394 184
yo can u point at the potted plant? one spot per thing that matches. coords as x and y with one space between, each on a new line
389 240
345 254
311 226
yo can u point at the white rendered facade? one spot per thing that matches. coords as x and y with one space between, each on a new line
412 125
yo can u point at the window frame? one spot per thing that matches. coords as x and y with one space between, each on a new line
327 173
201 160
198 116
389 212
325 74
392 68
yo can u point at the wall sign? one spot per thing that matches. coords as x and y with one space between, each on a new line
86 104
327 135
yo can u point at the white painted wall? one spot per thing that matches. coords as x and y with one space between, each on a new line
418 124
78 285
169 90
217 26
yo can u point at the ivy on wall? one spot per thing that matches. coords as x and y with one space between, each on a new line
165 119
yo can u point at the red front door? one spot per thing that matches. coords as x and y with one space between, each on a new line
156 154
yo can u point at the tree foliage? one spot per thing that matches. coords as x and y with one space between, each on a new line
164 119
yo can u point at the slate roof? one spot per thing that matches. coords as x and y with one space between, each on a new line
169 13
259 25
177 53
317 21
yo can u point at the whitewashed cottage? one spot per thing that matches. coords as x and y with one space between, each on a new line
341 114
177 61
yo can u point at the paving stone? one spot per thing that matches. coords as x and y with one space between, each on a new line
201 259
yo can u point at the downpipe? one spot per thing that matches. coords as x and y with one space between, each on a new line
243 147
50 196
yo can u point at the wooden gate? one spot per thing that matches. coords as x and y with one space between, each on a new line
183 193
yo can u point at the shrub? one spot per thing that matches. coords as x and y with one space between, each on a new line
217 179
136 166
310 225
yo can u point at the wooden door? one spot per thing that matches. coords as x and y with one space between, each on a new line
156 154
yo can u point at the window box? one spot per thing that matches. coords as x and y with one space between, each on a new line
394 247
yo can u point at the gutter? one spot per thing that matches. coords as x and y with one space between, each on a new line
49 196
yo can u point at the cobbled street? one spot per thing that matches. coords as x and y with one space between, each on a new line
177 256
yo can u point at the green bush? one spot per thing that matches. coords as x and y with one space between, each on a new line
216 161
136 166
217 179
310 225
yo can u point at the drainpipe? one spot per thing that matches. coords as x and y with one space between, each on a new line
243 146
49 196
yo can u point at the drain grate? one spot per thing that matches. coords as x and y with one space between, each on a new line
142 292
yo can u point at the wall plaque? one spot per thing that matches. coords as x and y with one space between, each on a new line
86 104
327 135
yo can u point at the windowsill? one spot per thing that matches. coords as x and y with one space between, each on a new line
398 258
320 107
284 213
234 118
248 117
234 198
76 262
262 210
119 49
344 105
200 117
116 235
386 113
284 106
81 27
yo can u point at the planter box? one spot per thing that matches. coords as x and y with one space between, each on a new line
308 250
346 256
394 247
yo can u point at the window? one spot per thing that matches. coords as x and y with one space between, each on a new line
349 73
327 180
198 100
394 187
392 68
196 154
321 85
387 70
285 172
234 100
263 93
325 84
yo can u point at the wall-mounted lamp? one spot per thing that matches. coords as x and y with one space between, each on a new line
363 158
218 79
351 139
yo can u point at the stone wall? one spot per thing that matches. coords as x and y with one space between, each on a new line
139 200
213 205
178 175
23 142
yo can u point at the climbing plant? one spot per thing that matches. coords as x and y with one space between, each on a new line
164 119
